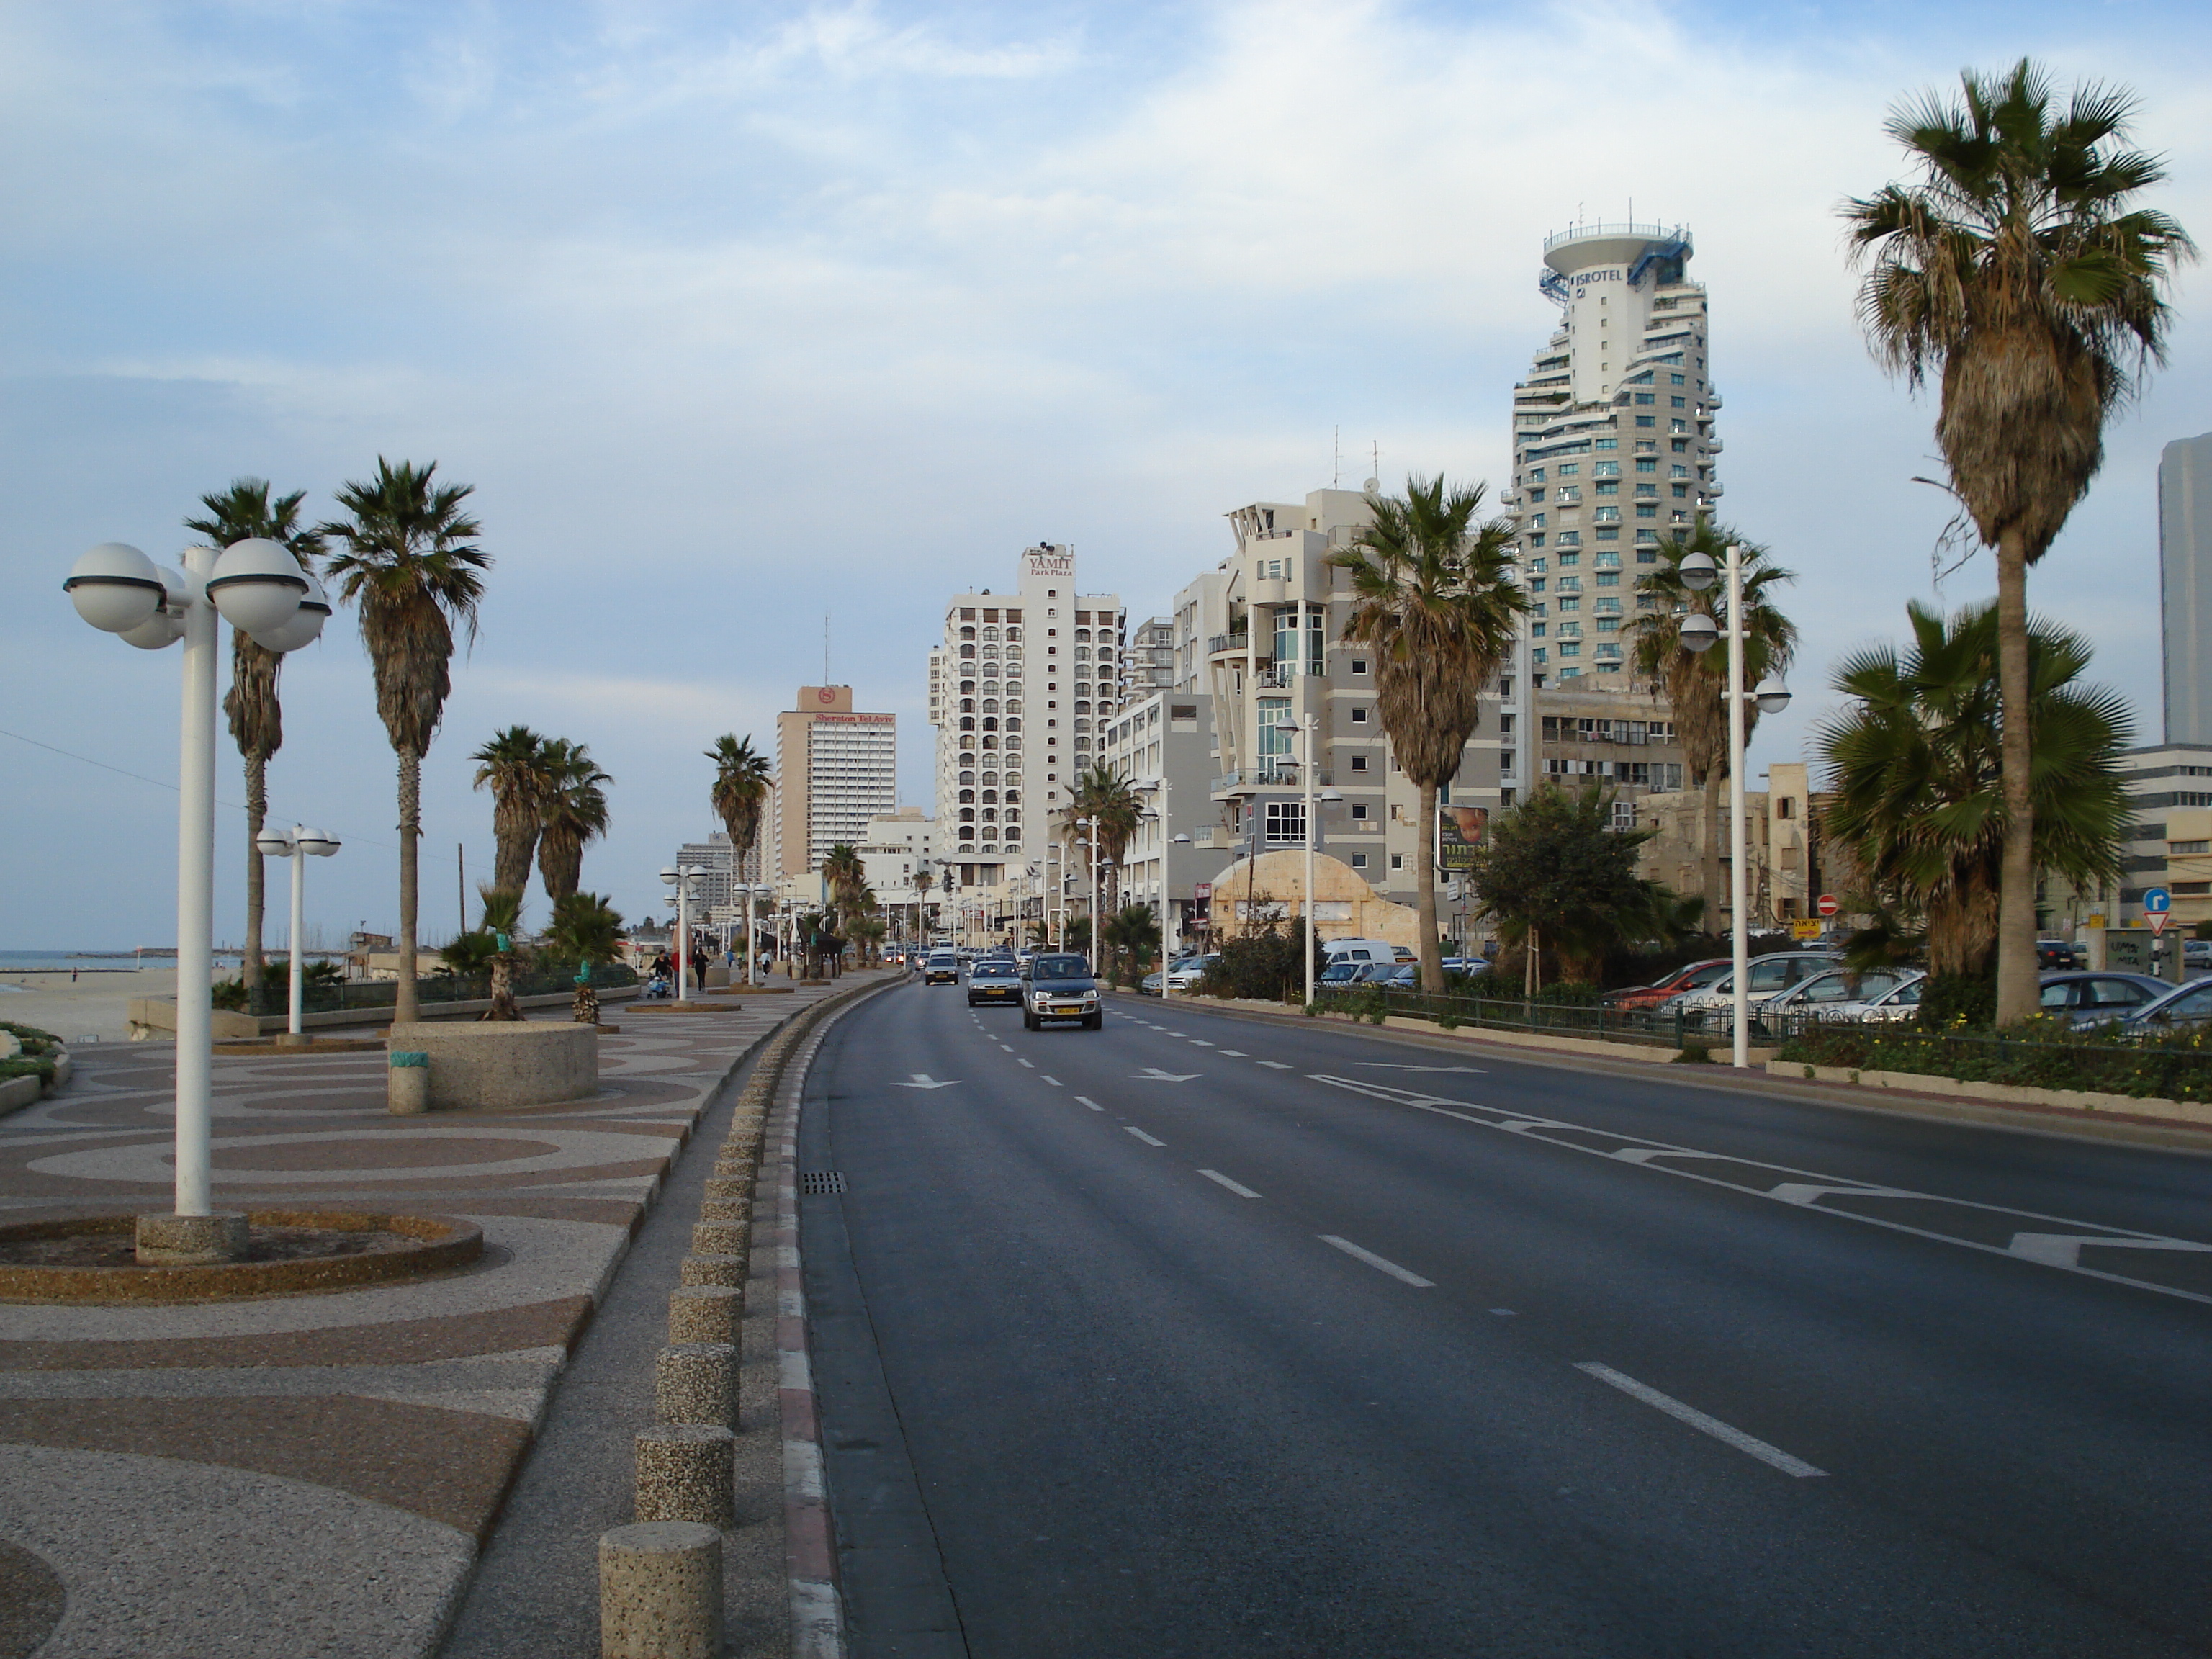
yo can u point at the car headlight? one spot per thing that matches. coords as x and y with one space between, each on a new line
1091 995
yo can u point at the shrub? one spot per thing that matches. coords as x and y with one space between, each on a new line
1948 1001
1262 966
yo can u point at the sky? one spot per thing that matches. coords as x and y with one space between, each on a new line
738 316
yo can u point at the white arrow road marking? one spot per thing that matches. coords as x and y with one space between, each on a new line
1142 1136
1153 1074
1803 1191
923 1080
1377 1262
2064 1249
1392 1065
1697 1419
1236 1187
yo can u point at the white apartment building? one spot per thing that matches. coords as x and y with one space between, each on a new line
1019 690
1162 744
898 853
711 857
1261 637
836 768
1613 451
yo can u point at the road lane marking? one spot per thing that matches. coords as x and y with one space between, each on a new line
1153 1074
1132 1129
1029 1063
1392 1065
1236 1187
1772 1456
1200 1043
1054 1081
1276 1065
1809 1192
1380 1263
1087 1100
1234 1054
923 1080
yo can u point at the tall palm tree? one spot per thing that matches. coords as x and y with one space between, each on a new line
742 779
1915 765
572 814
408 555
847 876
2018 271
1695 683
513 765
1434 593
257 719
1103 794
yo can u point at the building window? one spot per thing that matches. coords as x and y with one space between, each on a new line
2189 847
1646 398
1360 860
1360 762
1286 821
1397 861
1359 717
1647 510
1358 812
1647 420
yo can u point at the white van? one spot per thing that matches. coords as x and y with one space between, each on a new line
1334 951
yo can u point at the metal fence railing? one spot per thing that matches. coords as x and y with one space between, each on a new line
1591 1019
2161 1063
273 995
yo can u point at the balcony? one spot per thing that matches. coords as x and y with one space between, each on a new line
1221 644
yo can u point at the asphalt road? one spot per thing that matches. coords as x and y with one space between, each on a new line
1204 1336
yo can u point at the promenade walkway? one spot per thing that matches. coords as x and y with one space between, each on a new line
316 1473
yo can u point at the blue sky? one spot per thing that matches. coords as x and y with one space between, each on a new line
739 314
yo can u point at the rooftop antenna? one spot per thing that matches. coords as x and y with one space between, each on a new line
826 647
1378 463
1336 457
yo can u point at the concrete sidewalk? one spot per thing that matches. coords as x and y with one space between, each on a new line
316 1473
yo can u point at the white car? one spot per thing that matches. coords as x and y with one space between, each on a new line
1768 977
1837 995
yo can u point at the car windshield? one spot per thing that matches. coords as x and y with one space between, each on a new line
1060 968
992 970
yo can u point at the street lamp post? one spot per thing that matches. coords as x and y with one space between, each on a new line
1306 730
298 844
260 588
681 880
1698 634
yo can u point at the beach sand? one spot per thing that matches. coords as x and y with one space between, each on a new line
98 1006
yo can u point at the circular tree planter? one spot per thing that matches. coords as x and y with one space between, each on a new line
292 1252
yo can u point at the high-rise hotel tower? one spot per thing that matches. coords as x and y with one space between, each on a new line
1612 451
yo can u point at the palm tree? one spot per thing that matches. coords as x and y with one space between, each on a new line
502 920
1133 932
572 814
1915 763
408 557
741 780
1102 795
1695 683
257 719
2019 273
513 765
1434 593
586 927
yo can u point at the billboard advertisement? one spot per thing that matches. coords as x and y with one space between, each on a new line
1460 831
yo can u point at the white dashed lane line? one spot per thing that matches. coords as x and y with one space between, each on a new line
1275 1065
1236 1187
1379 1263
1049 1078
1085 1100
1773 1456
1029 1063
1234 1054
1132 1128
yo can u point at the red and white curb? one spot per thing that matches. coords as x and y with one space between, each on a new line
817 1611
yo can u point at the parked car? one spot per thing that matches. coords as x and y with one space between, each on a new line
993 981
1468 966
1902 1004
1060 988
1363 949
2055 954
1695 977
943 968
1186 972
1397 975
2197 953
2185 1004
1767 976
1835 994
2096 999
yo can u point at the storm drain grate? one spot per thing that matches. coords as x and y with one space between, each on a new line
821 1181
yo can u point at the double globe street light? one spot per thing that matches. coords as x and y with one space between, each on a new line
298 844
1700 633
260 589
1305 730
685 881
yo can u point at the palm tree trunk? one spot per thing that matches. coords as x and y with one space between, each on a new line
503 1005
405 1007
257 814
2017 989
1424 886
1710 860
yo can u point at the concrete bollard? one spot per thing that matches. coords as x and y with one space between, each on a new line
730 1187
686 1472
407 1087
719 1239
704 1313
697 1382
661 1591
190 1241
727 1270
726 1209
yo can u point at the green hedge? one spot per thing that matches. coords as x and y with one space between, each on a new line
41 1050
2042 1053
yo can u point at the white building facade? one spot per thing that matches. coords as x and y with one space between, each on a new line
1020 688
1614 450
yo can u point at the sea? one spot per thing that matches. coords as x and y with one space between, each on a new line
95 962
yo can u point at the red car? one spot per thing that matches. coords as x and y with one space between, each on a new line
1694 977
